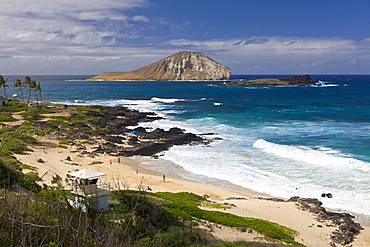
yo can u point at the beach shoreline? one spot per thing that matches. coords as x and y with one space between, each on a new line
127 173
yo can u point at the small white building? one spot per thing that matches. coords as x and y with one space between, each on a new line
86 190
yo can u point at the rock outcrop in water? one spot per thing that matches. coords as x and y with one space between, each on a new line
179 66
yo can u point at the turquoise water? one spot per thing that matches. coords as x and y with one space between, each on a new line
284 141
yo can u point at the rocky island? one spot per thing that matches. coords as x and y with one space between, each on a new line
182 65
300 80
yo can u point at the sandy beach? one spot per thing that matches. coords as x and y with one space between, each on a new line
126 173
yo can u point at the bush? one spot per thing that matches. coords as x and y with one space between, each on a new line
15 145
32 113
29 181
7 118
8 174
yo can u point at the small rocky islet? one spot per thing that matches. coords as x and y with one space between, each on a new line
299 80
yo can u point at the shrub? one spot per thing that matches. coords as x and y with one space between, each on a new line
86 142
29 181
8 174
7 118
15 145
32 113
60 118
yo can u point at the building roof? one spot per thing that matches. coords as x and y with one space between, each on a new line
87 174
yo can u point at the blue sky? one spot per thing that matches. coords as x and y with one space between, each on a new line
249 36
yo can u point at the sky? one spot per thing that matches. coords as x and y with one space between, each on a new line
89 37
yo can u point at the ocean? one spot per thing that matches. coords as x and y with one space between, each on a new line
284 141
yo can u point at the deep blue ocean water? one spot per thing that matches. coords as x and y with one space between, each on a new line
284 141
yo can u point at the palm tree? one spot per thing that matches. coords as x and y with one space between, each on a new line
31 87
3 82
19 84
38 89
26 83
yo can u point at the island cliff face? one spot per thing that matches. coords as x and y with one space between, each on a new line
179 66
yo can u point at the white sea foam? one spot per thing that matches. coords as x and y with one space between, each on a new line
163 100
243 158
318 157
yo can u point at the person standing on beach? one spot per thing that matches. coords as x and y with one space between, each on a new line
164 177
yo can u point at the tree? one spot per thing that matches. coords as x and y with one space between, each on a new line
32 86
3 82
18 83
38 90
26 83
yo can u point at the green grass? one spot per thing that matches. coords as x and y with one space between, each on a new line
214 205
185 205
62 146
28 167
261 82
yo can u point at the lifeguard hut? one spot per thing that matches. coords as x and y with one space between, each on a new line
86 190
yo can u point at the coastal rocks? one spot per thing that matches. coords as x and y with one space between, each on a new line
150 143
110 128
117 119
183 65
347 228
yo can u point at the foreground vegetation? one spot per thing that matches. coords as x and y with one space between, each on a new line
136 218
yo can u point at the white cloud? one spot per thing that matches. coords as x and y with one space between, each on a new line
280 54
64 20
93 36
140 18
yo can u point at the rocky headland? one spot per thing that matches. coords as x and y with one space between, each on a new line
300 80
109 128
183 65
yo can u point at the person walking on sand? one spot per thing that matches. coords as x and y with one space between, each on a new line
164 177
